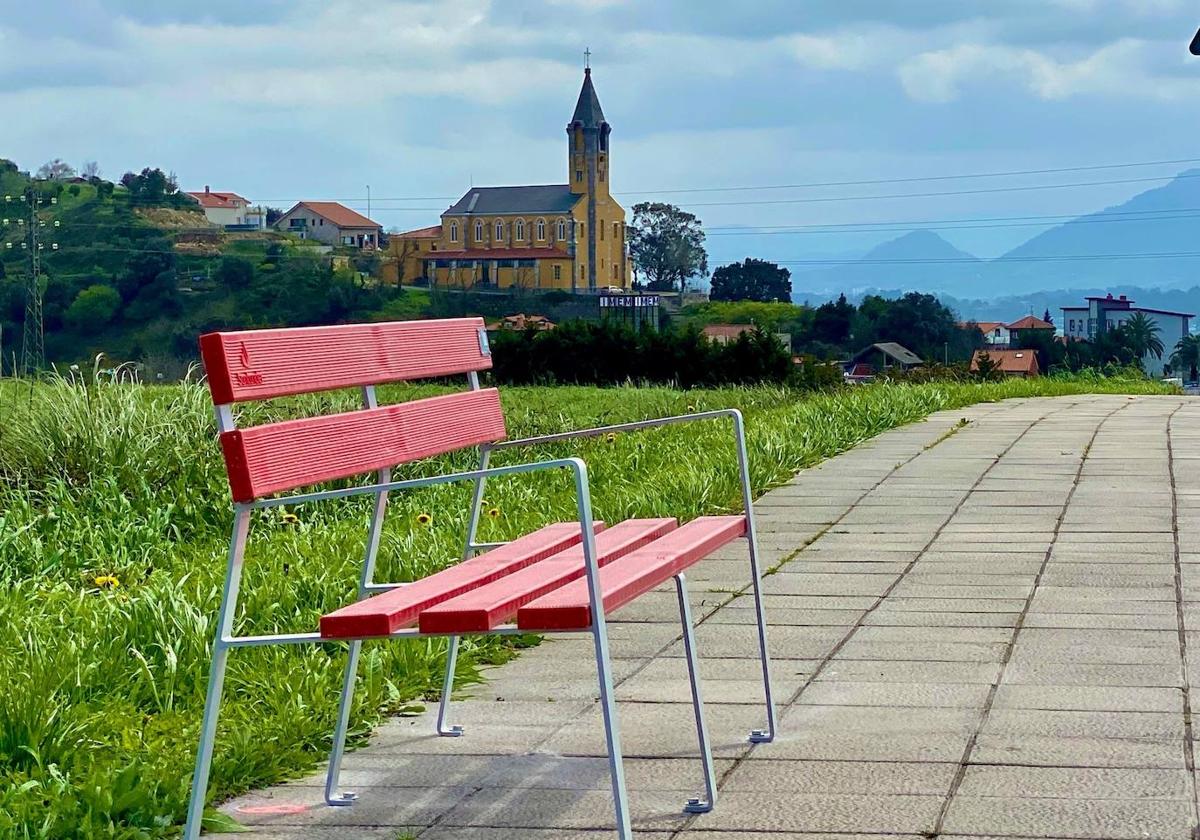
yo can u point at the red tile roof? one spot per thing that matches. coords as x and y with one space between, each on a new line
727 330
339 214
1010 361
499 254
432 232
989 326
208 198
1030 323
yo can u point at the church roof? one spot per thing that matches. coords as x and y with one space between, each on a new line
539 198
588 112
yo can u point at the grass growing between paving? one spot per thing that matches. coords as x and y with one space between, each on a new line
114 517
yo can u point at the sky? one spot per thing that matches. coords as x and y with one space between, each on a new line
282 100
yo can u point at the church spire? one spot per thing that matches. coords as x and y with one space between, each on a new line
588 113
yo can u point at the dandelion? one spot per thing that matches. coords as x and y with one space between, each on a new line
494 513
611 437
424 518
106 582
691 408
289 518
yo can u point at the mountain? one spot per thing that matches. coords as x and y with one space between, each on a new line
1099 250
918 260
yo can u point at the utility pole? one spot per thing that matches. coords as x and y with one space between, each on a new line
33 348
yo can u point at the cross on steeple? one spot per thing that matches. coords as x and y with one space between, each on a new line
587 58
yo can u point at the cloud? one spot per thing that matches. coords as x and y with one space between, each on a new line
1125 68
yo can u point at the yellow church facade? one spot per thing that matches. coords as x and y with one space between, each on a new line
568 237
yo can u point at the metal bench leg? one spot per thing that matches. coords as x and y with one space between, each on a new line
612 731
453 730
695 805
341 730
216 675
332 795
757 736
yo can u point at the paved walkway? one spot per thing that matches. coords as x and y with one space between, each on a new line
978 632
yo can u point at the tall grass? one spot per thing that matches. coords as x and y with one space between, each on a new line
101 478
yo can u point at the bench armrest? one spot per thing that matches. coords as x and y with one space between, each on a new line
576 465
633 426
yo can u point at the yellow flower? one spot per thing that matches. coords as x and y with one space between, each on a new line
289 518
107 582
611 437
691 408
424 518
494 513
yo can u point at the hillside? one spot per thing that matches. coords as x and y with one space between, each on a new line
137 273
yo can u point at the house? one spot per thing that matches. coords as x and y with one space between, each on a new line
725 333
1020 363
331 223
229 210
882 356
521 322
995 333
1104 313
1029 325
547 236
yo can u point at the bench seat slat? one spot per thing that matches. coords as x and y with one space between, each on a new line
490 606
569 608
390 611
262 460
260 364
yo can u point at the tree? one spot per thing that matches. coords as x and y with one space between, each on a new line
150 186
234 272
667 245
274 214
90 170
93 308
832 321
1048 318
986 367
1187 355
55 170
1142 335
752 280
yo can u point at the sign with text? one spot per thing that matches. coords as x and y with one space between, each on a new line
628 301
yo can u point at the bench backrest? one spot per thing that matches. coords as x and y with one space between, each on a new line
261 364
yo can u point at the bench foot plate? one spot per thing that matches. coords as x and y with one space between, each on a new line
759 736
455 731
696 805
341 799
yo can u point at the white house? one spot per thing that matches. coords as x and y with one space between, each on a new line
995 334
1103 313
331 223
229 209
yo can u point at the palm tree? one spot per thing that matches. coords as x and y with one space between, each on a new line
1142 333
1187 355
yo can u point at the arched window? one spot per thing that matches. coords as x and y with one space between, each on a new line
454 231
478 231
562 229
541 230
499 230
520 230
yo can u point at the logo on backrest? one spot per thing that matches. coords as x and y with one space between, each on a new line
484 347
249 377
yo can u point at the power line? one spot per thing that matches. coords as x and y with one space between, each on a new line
981 262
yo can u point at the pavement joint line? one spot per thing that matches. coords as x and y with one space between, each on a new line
824 661
1189 753
985 714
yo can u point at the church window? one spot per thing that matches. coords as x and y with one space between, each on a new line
454 231
582 273
478 231
541 230
614 268
558 272
499 230
601 226
616 230
521 230
578 174
562 229
601 173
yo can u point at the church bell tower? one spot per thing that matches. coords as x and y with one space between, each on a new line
587 173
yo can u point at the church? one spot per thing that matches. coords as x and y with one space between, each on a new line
568 236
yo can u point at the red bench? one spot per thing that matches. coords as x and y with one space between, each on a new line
564 577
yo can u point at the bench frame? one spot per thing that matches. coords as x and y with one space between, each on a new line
225 639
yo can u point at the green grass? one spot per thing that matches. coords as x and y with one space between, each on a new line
103 688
